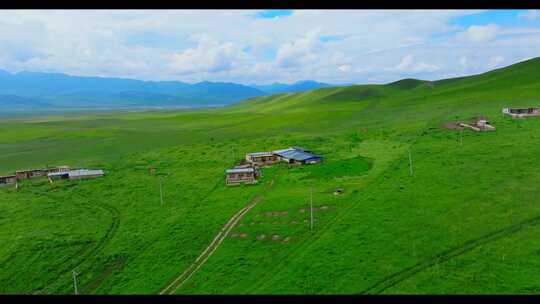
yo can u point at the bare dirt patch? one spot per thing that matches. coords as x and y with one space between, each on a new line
275 237
324 207
261 237
302 210
286 239
234 235
243 235
452 125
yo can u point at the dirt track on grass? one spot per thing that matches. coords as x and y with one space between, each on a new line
203 257
446 255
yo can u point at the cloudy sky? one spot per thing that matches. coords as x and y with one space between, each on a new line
250 46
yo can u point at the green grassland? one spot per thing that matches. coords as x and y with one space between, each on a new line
465 221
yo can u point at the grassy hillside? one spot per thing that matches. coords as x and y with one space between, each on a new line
465 221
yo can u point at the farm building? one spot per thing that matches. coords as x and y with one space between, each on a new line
59 169
295 155
262 158
9 179
238 176
26 174
521 112
58 175
84 173
75 174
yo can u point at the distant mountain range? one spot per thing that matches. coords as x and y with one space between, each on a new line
32 90
299 86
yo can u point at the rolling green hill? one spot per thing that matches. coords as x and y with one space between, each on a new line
465 221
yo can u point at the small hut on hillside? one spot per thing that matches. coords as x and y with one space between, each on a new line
262 158
8 179
84 173
521 112
26 174
237 176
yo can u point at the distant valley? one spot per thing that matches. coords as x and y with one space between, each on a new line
27 91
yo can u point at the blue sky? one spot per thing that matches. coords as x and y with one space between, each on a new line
266 46
500 17
269 14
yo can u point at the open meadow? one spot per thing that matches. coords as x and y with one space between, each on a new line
463 219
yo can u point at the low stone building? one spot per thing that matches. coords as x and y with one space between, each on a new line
26 174
262 158
521 112
75 174
59 169
8 179
237 176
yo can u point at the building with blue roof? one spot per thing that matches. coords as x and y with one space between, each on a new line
297 155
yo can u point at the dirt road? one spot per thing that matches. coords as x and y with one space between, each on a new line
203 257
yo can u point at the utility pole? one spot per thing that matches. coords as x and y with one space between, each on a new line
410 164
75 281
311 203
160 192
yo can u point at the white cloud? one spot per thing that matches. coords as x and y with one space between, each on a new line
345 68
231 45
481 33
298 52
407 64
209 56
495 62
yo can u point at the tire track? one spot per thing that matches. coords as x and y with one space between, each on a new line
203 257
447 255
109 234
